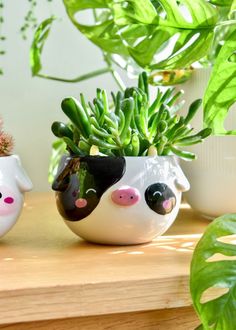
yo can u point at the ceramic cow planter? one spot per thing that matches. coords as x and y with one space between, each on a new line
126 194
119 200
13 183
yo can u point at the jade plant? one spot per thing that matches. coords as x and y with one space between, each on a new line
131 125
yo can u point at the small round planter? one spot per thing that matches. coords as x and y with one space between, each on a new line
13 183
119 200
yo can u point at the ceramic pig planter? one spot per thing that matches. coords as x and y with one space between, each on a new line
119 200
13 183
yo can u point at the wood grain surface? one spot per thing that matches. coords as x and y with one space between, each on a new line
177 319
48 273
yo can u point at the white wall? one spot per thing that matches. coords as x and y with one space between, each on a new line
29 105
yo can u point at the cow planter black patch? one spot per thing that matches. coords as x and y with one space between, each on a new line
119 200
160 198
81 182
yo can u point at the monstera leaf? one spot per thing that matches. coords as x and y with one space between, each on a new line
36 49
144 29
213 267
232 8
181 31
103 32
221 91
223 3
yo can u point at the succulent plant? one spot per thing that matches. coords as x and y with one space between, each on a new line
6 142
131 125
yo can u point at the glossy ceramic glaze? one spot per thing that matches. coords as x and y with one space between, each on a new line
122 200
13 183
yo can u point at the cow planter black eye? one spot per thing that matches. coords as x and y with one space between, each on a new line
119 200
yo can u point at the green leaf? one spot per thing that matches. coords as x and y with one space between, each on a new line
133 11
220 94
182 154
219 312
61 130
223 3
127 107
75 112
102 33
192 110
232 8
58 149
40 36
190 34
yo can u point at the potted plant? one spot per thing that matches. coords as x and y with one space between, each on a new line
13 183
170 39
121 182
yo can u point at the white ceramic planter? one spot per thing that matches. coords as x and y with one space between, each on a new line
119 200
212 176
13 183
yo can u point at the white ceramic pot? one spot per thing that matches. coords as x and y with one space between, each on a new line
13 183
119 200
212 176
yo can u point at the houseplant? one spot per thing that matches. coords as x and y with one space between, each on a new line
13 183
30 21
167 35
121 183
169 39
212 280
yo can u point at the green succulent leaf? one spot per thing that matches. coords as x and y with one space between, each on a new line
61 130
221 90
131 126
58 150
40 37
75 111
192 110
217 312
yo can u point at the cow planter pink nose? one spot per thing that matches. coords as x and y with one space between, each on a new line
125 196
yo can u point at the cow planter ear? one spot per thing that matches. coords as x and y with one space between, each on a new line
119 200
181 182
13 183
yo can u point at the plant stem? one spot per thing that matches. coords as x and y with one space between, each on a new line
114 73
77 79
108 61
225 23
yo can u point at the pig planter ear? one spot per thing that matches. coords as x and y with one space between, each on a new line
13 183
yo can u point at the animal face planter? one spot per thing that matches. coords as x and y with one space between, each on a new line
13 183
119 200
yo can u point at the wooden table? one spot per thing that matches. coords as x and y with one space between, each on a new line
50 279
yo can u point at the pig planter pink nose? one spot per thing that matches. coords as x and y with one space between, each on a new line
125 196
